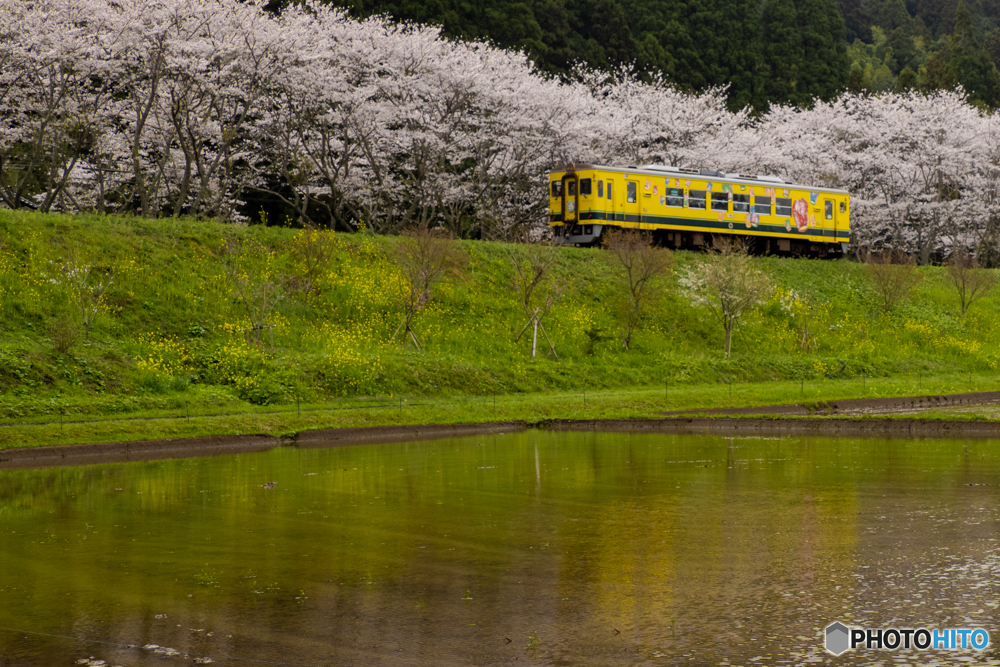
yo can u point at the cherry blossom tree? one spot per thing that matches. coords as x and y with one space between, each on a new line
324 124
913 163
218 79
53 87
653 122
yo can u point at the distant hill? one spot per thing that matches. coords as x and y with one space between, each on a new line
778 51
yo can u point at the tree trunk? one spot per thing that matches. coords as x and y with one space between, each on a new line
534 338
729 335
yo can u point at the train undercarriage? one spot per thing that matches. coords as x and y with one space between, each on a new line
590 235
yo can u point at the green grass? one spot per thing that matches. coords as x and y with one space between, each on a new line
532 408
169 338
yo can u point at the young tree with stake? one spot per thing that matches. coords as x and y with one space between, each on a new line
536 289
426 257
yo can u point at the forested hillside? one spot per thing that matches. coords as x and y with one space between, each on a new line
776 51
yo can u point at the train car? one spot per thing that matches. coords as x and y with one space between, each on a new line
684 208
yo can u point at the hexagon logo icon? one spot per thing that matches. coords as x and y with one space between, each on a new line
838 638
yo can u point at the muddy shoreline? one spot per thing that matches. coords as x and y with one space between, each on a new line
180 448
825 427
846 418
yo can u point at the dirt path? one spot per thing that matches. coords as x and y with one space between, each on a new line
857 406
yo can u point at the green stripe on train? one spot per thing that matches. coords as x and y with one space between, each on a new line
702 224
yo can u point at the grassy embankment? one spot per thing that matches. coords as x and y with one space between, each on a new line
169 339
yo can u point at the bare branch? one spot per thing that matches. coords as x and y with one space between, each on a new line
536 291
246 266
968 279
639 264
426 257
312 251
893 275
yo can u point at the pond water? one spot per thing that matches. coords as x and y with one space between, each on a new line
547 548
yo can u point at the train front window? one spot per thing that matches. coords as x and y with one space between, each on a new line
675 197
570 188
741 203
557 188
783 207
720 201
828 209
762 205
696 199
585 186
630 189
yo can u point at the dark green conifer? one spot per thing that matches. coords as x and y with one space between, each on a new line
856 81
783 50
857 20
938 15
892 14
608 26
824 68
907 80
970 65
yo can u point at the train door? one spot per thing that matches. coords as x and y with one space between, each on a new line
628 206
829 220
598 204
570 201
609 204
843 217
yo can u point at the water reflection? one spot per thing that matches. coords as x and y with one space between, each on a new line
533 548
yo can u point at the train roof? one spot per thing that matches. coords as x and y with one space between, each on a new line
708 174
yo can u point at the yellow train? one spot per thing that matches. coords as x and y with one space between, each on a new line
685 207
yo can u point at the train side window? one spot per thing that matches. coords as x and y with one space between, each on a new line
630 188
600 189
784 207
609 190
570 188
843 207
675 197
696 199
741 203
557 188
585 186
762 205
720 201
828 209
